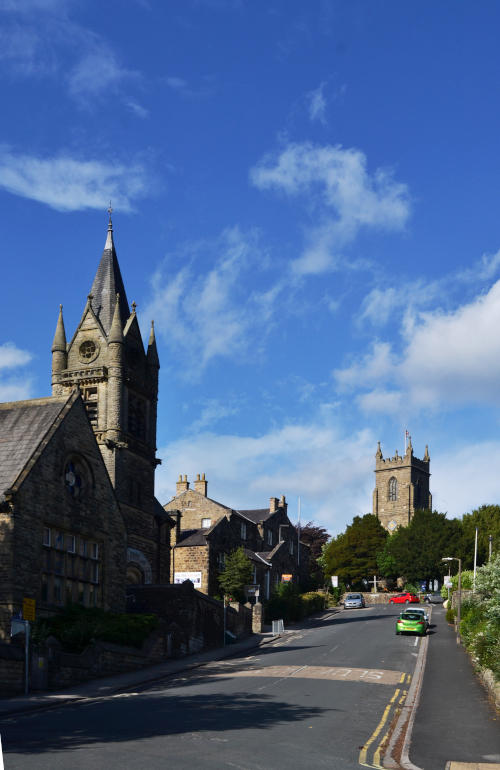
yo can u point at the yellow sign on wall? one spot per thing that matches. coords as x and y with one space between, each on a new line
29 609
286 578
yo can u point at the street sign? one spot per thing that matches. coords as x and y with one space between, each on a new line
286 578
447 582
252 590
17 626
29 609
335 581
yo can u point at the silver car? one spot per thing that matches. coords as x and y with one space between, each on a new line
354 601
421 611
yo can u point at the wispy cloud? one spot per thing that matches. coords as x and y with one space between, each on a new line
331 471
138 110
96 73
343 196
207 314
12 385
206 86
69 184
446 359
317 104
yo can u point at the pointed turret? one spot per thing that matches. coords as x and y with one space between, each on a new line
59 348
378 453
108 282
152 354
427 457
116 330
409 448
59 343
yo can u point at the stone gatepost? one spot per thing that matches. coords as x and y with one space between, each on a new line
257 618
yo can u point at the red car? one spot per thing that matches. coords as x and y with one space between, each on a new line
405 598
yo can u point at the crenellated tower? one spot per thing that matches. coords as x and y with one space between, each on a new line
118 380
401 487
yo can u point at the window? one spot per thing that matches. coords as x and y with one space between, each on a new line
58 590
82 549
46 536
94 551
66 561
243 531
70 543
393 489
269 537
89 396
221 561
290 545
206 523
88 351
59 540
45 588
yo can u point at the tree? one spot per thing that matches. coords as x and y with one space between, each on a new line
416 551
487 520
352 555
315 537
236 574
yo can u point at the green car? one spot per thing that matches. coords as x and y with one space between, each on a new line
411 623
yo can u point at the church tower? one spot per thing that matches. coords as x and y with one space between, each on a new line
118 381
401 487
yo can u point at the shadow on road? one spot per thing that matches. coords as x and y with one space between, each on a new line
137 717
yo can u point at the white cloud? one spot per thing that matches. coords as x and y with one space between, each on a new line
341 193
13 387
447 359
11 356
457 493
332 473
68 184
97 72
317 104
207 315
138 110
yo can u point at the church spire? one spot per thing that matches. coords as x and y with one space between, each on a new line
116 332
59 343
152 354
108 282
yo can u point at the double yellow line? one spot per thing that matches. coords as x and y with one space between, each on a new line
395 702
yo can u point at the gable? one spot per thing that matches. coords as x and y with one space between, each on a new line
23 426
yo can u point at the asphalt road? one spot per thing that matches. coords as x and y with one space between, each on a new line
319 697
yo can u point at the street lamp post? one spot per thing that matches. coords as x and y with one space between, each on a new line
459 607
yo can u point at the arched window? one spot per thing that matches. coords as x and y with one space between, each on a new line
393 489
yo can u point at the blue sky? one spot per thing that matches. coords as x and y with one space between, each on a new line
305 200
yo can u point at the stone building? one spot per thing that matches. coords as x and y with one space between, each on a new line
401 487
118 380
206 531
62 534
78 515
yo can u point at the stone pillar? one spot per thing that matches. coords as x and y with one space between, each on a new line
257 618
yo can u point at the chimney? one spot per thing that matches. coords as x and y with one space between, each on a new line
182 485
200 485
283 503
273 504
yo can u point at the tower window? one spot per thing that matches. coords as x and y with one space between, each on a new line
137 417
87 351
393 489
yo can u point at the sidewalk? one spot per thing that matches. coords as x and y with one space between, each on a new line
455 722
98 688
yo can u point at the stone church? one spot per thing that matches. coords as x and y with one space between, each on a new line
78 515
401 487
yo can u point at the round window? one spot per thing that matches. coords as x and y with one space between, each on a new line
88 351
73 479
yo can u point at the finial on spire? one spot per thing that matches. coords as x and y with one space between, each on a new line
378 453
134 305
109 239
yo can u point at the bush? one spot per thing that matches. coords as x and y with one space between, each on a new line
289 604
450 614
77 627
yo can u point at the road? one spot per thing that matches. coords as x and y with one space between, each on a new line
319 697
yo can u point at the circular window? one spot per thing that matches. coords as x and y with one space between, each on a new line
88 351
73 479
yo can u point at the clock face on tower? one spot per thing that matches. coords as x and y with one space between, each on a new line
392 525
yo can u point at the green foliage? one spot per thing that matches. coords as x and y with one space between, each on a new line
315 537
487 520
416 551
488 587
236 574
352 555
481 633
450 614
412 588
76 627
290 605
467 582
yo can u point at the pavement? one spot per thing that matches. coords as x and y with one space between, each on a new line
105 686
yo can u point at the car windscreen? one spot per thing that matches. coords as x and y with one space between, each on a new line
411 616
353 596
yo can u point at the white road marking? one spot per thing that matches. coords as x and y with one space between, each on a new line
416 641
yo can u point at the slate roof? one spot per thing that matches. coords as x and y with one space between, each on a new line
259 514
108 282
255 556
23 425
193 537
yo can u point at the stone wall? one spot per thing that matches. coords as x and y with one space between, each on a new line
11 669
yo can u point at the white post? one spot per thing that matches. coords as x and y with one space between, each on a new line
224 620
26 656
298 538
475 564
